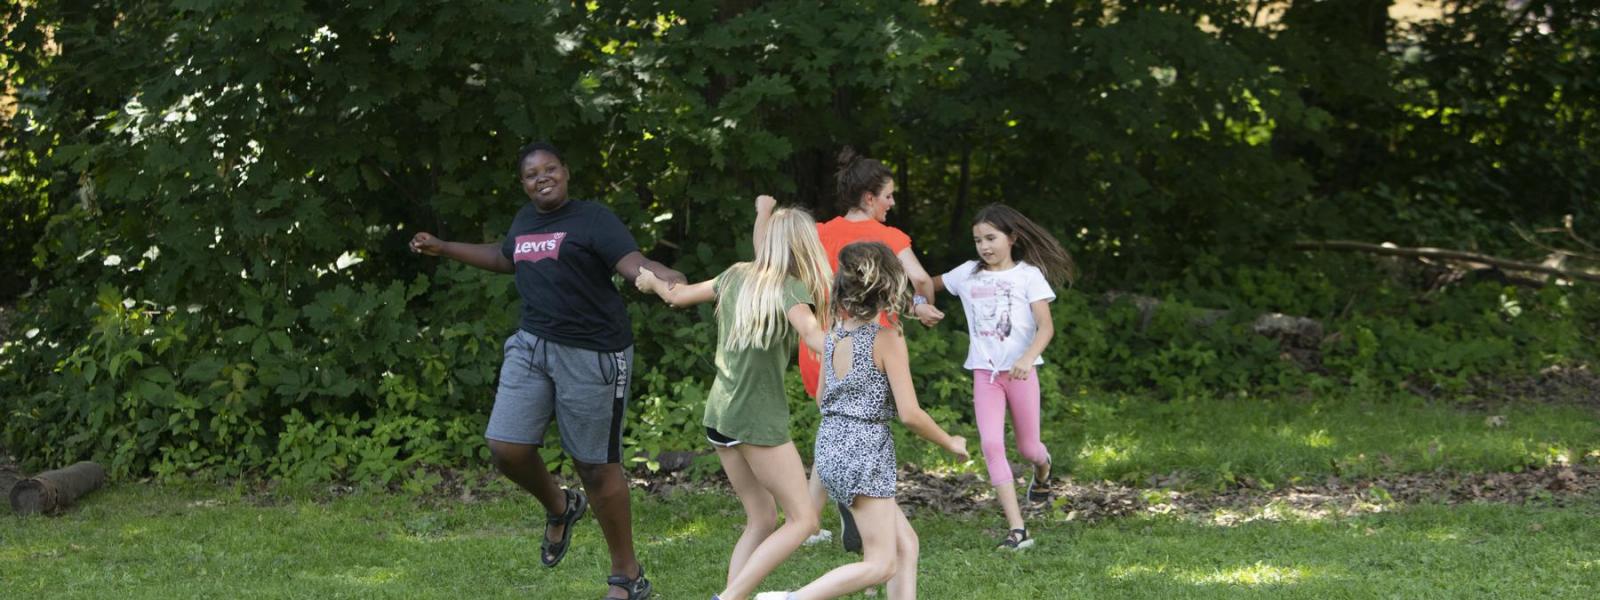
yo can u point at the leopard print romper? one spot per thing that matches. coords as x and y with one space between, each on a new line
855 450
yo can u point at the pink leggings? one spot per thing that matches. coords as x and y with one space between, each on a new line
990 401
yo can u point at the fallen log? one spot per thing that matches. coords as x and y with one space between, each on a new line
1299 338
51 491
1298 331
1445 254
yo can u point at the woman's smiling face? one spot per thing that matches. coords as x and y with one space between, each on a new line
544 180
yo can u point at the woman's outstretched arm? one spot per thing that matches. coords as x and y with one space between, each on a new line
482 256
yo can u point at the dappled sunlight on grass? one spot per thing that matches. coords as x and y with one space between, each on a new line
10 553
1259 574
1442 534
1255 575
1276 443
384 546
1297 434
1110 454
1281 512
1317 439
370 576
689 530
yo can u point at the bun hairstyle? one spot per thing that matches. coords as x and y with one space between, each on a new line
1030 243
869 281
858 175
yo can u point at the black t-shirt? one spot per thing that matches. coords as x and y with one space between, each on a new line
564 260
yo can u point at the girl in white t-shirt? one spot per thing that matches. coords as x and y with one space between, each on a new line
1006 294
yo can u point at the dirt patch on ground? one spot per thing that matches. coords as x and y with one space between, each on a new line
966 493
1089 501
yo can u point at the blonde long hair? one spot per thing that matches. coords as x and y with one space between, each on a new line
791 249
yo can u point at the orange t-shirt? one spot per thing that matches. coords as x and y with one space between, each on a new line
836 234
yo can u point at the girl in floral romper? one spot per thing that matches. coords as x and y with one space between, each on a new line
867 383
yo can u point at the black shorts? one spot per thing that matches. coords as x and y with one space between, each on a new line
718 439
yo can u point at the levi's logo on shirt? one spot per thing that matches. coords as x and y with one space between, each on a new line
535 247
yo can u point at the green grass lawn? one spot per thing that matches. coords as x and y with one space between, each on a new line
151 541
1214 442
193 540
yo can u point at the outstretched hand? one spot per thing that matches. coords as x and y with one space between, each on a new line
424 243
765 204
958 447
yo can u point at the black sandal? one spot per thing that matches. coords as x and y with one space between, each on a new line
637 588
551 553
1039 487
1016 540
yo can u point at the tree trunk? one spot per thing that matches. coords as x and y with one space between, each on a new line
52 491
812 172
904 203
958 217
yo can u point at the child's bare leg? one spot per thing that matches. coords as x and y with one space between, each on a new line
784 477
819 496
879 544
1007 494
761 515
903 586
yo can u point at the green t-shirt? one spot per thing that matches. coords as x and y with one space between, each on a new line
747 401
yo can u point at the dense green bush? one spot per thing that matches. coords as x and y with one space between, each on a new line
207 201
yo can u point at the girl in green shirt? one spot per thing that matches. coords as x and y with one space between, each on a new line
760 306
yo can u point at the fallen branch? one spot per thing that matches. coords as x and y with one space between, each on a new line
1443 254
51 491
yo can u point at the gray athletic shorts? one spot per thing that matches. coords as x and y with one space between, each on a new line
585 391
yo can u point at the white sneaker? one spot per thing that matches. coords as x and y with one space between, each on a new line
774 595
822 536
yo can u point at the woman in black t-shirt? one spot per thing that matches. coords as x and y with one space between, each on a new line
570 358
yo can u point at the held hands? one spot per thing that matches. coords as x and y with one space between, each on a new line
927 314
765 204
425 243
647 281
1022 369
958 446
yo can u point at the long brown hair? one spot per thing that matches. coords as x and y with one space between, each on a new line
857 175
1030 243
869 281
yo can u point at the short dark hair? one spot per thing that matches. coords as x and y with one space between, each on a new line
529 149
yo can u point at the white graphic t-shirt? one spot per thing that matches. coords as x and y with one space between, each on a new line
999 319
